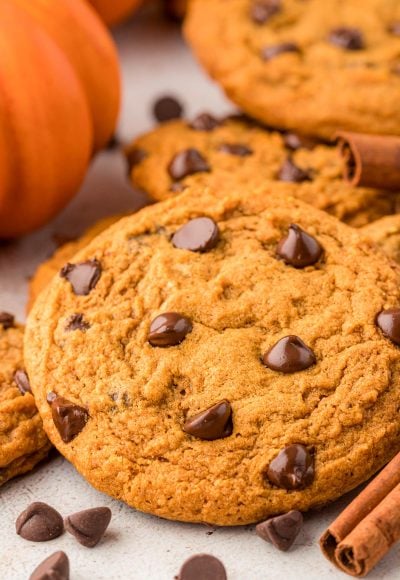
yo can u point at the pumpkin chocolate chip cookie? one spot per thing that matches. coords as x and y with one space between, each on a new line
385 233
23 443
312 67
234 152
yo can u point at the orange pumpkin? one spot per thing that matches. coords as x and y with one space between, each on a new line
114 11
59 102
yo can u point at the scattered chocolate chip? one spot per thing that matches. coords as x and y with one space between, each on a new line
187 162
270 52
22 381
76 322
394 28
135 156
166 109
39 522
202 567
347 37
169 329
235 149
177 187
204 122
88 526
262 10
83 277
292 468
198 235
55 567
389 323
213 423
289 355
294 142
68 418
281 531
6 320
299 249
293 173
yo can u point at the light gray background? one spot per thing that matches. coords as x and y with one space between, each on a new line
155 61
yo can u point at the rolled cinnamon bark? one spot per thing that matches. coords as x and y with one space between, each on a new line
366 530
370 160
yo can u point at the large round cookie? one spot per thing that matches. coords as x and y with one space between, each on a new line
23 443
233 153
162 318
313 66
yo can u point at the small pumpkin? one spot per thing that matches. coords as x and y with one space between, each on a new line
114 11
59 102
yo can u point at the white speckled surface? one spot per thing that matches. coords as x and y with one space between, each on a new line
138 547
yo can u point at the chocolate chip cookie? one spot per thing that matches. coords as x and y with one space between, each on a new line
23 443
312 66
386 234
221 359
234 152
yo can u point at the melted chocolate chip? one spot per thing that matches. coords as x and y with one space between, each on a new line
39 522
291 172
299 249
186 163
281 531
83 277
68 418
202 567
169 329
55 567
198 235
294 142
6 320
347 37
213 423
167 108
394 28
22 381
204 122
270 52
235 149
89 526
292 468
289 355
262 10
135 156
76 322
389 323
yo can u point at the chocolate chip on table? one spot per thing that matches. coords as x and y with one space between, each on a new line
68 418
202 567
6 320
347 37
292 468
235 149
39 522
292 173
394 28
262 10
83 277
274 50
22 381
77 322
135 156
169 329
55 567
198 235
299 249
167 108
389 323
204 122
289 355
88 526
294 142
281 531
213 423
187 162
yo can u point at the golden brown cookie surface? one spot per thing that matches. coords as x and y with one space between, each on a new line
386 234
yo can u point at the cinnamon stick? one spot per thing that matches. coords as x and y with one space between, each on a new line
366 530
370 160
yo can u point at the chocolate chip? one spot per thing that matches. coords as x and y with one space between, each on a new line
294 142
292 173
235 149
213 423
68 418
270 52
394 28
389 323
299 249
289 355
135 156
262 10
202 567
89 526
83 277
113 143
198 235
55 567
204 122
187 162
166 109
6 320
292 468
169 329
76 322
51 397
281 531
347 37
177 187
39 522
22 381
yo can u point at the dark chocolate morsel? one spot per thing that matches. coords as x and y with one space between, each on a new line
394 28
89 526
293 141
202 567
299 249
177 187
83 277
262 10
274 50
77 322
289 355
6 320
22 381
198 235
68 418
237 149
204 122
213 423
169 329
187 162
389 323
281 531
167 108
347 37
292 468
291 172
55 567
39 522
